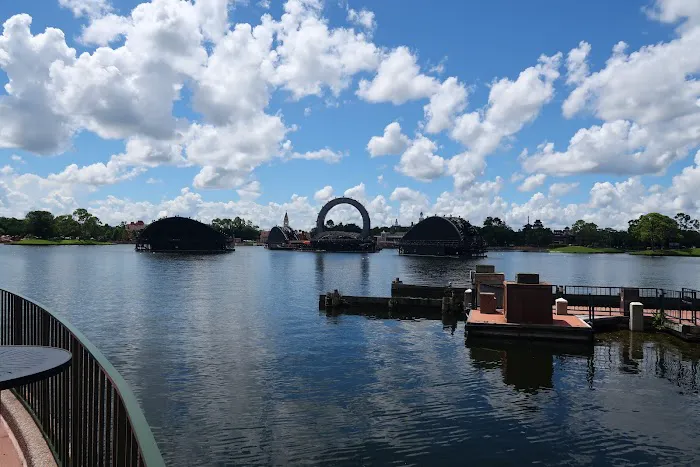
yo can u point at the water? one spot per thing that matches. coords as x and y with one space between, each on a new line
234 365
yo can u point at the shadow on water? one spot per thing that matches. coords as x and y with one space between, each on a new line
526 366
652 354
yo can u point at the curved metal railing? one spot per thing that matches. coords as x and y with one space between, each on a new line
87 414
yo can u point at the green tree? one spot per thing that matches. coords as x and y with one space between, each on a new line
585 233
13 227
655 229
330 224
66 226
40 224
495 232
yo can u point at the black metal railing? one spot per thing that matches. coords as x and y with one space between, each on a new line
87 414
682 305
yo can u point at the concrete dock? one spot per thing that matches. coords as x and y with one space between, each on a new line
527 308
567 328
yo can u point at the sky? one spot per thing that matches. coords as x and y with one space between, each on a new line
519 109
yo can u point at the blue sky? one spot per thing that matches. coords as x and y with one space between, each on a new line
477 43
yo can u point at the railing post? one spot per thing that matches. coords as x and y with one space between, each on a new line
17 320
75 442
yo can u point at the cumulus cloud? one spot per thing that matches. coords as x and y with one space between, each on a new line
449 100
91 8
325 154
250 191
532 182
419 161
512 105
363 18
398 80
392 142
647 101
324 194
560 189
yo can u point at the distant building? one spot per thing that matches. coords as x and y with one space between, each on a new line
562 237
135 226
264 235
389 240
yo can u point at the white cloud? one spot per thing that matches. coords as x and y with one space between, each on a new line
412 203
250 191
420 161
228 154
357 192
324 194
310 56
28 118
233 85
91 8
449 100
264 4
532 182
325 154
619 147
96 174
16 158
154 181
512 105
560 189
363 18
465 168
307 111
380 179
392 142
6 170
576 65
398 80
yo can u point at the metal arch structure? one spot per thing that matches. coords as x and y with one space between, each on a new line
321 220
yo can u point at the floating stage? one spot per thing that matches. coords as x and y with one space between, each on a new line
529 309
566 328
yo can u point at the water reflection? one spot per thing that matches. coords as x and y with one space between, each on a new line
234 365
527 367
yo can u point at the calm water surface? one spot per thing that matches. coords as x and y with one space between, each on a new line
234 365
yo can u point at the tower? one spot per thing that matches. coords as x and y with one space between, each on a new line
286 220
420 219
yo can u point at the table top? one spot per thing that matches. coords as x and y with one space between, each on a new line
24 364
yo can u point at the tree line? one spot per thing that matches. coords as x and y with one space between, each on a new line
237 227
81 225
653 230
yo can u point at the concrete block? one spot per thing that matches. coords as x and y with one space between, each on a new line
636 317
485 268
562 306
468 297
528 303
527 278
488 303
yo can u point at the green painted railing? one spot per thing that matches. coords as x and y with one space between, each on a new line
87 414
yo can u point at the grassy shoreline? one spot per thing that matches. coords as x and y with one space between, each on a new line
694 252
41 242
585 250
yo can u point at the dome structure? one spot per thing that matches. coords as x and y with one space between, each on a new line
281 236
183 235
442 236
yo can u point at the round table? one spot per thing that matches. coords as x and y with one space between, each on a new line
24 364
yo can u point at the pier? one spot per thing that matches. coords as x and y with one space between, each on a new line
526 308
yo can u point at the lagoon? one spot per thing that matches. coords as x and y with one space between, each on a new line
234 365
